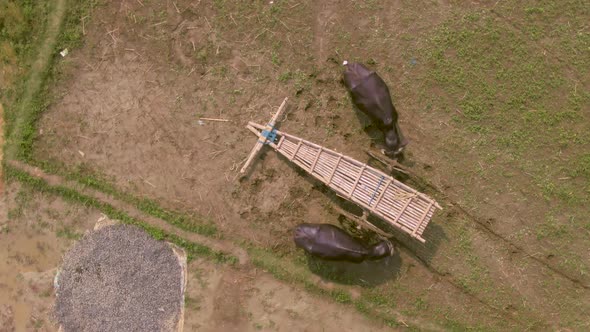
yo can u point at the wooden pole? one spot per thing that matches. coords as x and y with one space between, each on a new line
261 139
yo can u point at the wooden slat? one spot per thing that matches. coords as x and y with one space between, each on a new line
356 182
423 218
403 210
296 149
383 192
315 161
334 170
280 142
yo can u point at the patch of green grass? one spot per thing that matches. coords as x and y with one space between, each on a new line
511 83
192 303
274 58
22 25
582 167
23 199
341 296
574 262
72 36
499 84
286 76
20 140
551 228
420 304
192 249
68 233
564 192
38 323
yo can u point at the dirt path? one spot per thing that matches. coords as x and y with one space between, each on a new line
36 77
218 245
220 298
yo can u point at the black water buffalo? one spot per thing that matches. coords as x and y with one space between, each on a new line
332 243
371 95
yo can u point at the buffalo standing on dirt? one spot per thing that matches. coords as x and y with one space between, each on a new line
332 243
371 95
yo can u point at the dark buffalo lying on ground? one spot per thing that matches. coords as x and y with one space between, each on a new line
332 243
371 95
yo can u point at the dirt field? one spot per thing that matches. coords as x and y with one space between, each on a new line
492 95
41 229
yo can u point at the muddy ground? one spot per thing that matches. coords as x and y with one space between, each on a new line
218 297
511 236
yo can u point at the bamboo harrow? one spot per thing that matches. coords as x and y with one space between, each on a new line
376 192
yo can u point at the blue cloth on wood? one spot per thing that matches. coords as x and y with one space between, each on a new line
376 190
269 135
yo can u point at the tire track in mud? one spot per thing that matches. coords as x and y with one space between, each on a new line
448 278
429 188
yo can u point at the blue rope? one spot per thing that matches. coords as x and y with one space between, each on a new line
376 190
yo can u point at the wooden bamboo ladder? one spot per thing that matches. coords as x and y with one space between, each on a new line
371 189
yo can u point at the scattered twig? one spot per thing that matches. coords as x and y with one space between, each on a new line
283 23
159 23
149 68
146 181
216 153
206 141
177 10
213 119
210 27
260 34
110 33
83 30
134 51
89 65
141 3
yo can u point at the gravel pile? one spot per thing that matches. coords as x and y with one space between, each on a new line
119 279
